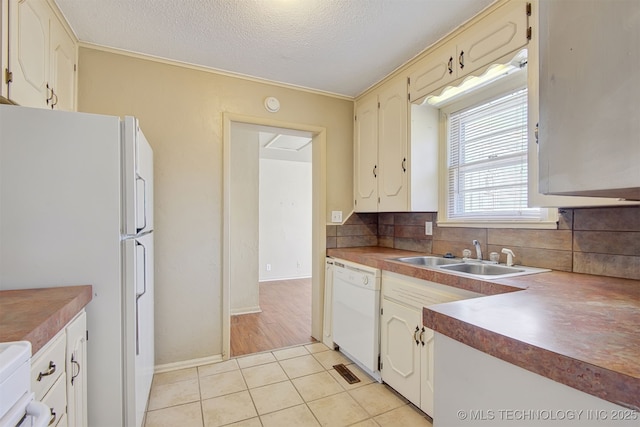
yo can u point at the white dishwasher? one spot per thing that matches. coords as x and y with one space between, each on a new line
356 313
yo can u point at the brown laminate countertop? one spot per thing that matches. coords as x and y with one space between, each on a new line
576 329
37 315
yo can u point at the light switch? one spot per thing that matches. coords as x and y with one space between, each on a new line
336 216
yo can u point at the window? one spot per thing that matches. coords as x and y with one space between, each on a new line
485 178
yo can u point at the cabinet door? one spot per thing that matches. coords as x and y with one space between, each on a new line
392 147
63 71
400 354
29 52
426 370
434 72
588 138
534 195
366 155
496 35
4 45
76 371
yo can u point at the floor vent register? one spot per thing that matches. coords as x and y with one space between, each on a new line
349 376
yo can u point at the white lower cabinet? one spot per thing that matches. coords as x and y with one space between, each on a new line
407 346
57 374
76 365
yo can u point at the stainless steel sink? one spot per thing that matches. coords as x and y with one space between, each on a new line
493 271
428 261
469 268
483 269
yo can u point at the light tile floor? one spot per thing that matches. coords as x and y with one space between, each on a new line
295 386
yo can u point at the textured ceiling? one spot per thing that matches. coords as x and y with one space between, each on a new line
336 46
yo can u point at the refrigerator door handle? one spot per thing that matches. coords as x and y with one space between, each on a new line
142 251
141 208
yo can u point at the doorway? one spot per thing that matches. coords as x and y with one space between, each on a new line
250 266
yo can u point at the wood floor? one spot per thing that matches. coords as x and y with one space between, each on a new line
285 319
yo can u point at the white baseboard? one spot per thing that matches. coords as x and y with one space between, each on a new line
245 310
187 364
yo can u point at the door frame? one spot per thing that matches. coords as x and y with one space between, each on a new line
319 209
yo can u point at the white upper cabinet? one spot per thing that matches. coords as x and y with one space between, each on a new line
366 154
380 149
497 34
42 57
589 131
436 70
63 68
29 53
4 45
392 146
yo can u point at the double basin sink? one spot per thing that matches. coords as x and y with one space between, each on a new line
469 268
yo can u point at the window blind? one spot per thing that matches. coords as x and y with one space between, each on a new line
487 160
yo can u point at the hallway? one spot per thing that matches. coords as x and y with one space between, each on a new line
285 319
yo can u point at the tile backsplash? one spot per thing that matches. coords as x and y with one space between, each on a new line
600 241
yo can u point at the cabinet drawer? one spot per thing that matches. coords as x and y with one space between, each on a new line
48 366
56 400
419 293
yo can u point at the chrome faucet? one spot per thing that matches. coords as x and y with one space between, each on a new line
478 250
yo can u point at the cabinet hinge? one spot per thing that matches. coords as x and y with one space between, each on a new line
379 363
87 331
408 81
355 202
378 104
381 311
408 96
378 200
528 9
529 33
8 76
75 67
355 118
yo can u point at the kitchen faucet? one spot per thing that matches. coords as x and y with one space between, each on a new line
478 250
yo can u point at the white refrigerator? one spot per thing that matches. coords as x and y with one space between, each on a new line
76 207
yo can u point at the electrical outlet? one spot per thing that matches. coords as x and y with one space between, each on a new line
336 216
428 228
268 267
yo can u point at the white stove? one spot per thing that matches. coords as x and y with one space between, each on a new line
17 405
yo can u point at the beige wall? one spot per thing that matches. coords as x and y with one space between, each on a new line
180 111
244 173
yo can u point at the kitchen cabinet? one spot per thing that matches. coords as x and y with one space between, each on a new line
589 99
536 198
76 367
500 33
4 45
42 57
327 323
406 345
381 127
48 376
58 375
